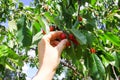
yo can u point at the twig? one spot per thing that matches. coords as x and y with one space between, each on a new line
67 64
33 49
79 2
114 73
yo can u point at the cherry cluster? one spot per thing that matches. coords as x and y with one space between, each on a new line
64 35
71 38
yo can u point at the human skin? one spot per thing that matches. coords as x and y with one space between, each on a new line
49 53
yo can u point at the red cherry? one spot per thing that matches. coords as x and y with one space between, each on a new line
71 37
92 50
75 42
52 28
79 18
62 36
43 32
68 44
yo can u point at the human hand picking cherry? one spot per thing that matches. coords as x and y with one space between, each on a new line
71 38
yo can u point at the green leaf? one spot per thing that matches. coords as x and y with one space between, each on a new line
4 51
11 55
19 35
80 36
3 60
24 35
37 37
36 26
112 38
109 56
21 22
90 38
49 17
75 24
96 67
117 15
93 2
117 60
105 61
39 19
27 37
17 62
10 67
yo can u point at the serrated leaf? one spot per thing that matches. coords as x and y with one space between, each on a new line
36 26
112 38
75 24
17 62
37 37
93 2
109 57
96 67
80 36
11 55
105 62
19 35
3 51
21 22
27 37
90 38
10 67
39 19
49 17
117 60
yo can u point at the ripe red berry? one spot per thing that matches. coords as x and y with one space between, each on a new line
75 42
62 36
68 44
71 37
79 18
52 28
92 50
43 32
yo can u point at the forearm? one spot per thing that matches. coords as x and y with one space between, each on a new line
44 74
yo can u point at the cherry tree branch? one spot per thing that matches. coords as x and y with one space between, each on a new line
69 65
79 2
114 73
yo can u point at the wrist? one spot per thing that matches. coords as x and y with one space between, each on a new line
44 74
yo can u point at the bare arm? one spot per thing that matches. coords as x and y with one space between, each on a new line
49 52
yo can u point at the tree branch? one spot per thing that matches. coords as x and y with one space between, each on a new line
114 73
67 64
79 2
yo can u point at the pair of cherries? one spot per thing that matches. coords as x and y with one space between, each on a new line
71 38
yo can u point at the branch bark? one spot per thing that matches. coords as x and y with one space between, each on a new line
67 64
79 2
114 73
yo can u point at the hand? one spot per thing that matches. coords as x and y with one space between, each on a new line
49 52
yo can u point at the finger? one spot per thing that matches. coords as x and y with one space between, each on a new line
52 35
61 46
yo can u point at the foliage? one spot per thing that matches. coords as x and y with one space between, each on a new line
99 28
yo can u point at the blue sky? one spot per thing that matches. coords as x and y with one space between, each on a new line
26 2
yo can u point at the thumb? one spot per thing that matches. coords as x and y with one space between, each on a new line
61 46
